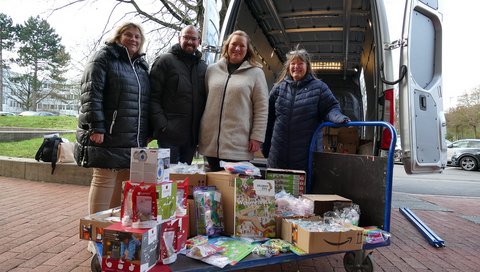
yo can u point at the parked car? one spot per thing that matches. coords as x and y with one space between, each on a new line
7 113
465 153
37 113
397 155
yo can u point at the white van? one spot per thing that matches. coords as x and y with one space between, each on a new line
351 49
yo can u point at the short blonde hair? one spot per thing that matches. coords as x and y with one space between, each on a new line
122 28
250 56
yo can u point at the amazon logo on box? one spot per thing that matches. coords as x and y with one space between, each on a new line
320 242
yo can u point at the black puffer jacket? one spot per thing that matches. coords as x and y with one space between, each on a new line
296 108
178 96
114 101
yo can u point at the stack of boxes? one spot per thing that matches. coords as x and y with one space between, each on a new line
341 140
177 217
126 248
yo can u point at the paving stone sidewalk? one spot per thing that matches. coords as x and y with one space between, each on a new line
39 232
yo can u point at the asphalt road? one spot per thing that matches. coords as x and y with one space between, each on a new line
453 181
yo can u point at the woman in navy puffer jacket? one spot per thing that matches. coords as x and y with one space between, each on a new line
298 103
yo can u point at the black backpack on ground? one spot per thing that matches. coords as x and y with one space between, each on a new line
48 151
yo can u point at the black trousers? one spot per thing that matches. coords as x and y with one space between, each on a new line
183 154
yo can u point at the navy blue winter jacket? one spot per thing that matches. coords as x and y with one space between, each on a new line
296 108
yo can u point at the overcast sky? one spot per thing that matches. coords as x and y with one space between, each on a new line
81 24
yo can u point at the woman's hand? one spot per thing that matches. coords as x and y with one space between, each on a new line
97 138
253 146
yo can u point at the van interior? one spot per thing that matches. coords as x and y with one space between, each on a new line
351 51
340 37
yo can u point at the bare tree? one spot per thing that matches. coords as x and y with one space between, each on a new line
162 19
466 115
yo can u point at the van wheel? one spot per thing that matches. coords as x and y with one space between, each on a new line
468 163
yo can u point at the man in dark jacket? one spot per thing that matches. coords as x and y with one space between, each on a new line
178 96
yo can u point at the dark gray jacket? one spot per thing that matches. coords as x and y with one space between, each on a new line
114 101
296 108
178 96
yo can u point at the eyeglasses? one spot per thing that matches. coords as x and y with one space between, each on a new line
189 38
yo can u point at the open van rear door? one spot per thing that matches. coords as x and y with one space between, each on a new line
422 120
211 30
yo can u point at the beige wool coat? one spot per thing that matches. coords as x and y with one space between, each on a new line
236 111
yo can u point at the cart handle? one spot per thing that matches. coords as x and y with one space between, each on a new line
391 150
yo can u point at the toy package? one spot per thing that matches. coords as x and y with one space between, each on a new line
242 168
139 207
289 205
208 210
182 197
254 208
166 201
168 242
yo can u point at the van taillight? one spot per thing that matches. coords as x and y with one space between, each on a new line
389 113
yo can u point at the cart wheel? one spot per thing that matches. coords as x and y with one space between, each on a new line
351 266
95 264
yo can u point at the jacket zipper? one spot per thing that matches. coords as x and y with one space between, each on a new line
139 101
113 121
139 96
221 113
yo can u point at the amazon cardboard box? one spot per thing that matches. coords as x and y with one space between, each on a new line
320 242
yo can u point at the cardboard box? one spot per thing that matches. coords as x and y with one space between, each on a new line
129 249
340 140
292 181
151 165
279 222
320 242
225 184
192 227
325 203
91 226
196 179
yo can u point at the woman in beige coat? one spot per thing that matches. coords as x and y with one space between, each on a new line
235 118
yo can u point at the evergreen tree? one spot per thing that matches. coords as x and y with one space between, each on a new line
44 60
7 34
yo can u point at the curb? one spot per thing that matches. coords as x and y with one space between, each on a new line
30 169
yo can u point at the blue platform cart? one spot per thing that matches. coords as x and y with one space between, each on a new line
365 179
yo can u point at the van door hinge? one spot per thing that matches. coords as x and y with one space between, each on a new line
395 44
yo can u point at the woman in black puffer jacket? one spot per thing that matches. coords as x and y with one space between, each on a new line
298 103
114 114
